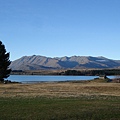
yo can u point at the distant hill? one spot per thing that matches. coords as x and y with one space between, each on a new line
37 62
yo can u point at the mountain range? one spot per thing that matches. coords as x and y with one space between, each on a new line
37 62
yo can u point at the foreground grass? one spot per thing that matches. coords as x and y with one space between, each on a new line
82 108
60 101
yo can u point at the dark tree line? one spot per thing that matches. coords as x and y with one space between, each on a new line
92 72
71 72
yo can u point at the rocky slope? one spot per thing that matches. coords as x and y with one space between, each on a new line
37 62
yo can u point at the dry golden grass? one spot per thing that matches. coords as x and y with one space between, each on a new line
63 89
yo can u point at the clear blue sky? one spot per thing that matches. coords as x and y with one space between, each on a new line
56 28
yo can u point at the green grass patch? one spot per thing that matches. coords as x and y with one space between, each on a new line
83 108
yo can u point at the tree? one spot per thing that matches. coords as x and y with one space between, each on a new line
4 63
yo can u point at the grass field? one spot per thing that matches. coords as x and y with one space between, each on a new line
62 89
60 101
83 108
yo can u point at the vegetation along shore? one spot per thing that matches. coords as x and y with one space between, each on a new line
91 72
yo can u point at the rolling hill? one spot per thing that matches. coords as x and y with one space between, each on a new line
37 62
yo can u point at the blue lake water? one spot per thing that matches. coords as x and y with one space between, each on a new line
43 78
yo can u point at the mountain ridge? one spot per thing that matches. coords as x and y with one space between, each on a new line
38 62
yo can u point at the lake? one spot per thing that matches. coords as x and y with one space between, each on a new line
47 78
